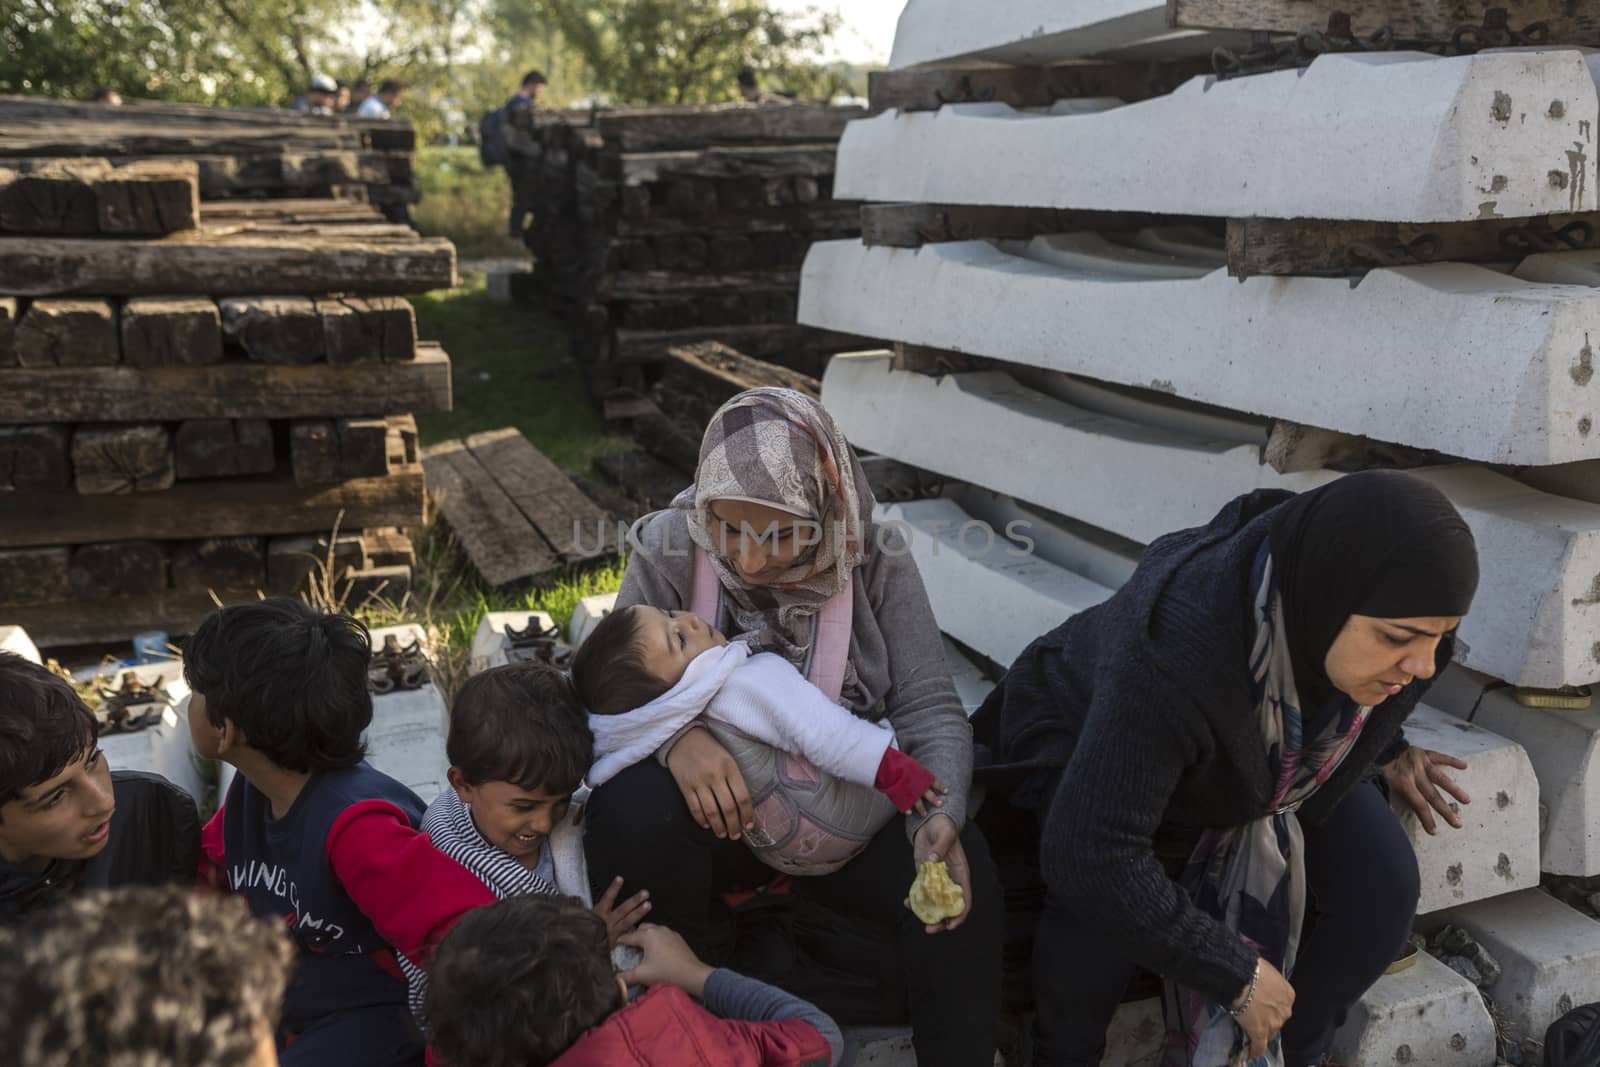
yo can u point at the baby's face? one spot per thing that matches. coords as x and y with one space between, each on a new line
671 640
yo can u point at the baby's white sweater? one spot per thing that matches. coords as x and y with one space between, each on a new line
761 696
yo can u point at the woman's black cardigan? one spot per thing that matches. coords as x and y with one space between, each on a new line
1135 717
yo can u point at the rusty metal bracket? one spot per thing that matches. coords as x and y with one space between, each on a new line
1537 236
133 705
394 667
536 644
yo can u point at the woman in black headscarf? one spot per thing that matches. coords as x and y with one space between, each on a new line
1196 754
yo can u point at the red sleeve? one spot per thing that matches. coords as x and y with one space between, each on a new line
780 1042
412 892
213 872
902 779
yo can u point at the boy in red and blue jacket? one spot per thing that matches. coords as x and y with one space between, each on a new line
313 835
529 983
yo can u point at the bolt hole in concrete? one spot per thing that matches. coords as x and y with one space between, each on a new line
1557 109
1502 800
1585 424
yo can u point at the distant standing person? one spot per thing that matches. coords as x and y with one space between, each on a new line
752 93
319 96
517 126
382 106
341 100
107 96
360 91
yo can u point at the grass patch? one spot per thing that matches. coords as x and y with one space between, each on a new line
512 366
465 202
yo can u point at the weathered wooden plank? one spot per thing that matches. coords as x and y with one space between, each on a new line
402 439
227 390
183 331
389 324
662 129
223 448
55 197
264 505
123 458
643 285
237 563
9 311
643 477
149 198
363 448
68 333
364 588
1337 247
240 264
35 459
343 338
287 210
570 522
1564 22
314 452
274 329
725 372
914 225
117 569
293 563
502 544
929 90
726 161
83 620
33 575
387 546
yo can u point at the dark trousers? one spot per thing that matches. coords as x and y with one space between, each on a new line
382 1036
1361 876
518 219
640 828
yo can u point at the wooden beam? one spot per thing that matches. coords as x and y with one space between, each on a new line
68 333
289 210
262 505
642 476
123 458
576 527
232 390
294 562
274 329
240 264
914 225
387 546
9 312
117 569
929 90
1339 247
1566 22
33 576
503 546
149 197
223 448
713 366
54 197
99 620
35 459
184 331
643 285
663 129
237 563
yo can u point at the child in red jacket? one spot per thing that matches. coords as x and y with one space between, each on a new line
311 834
528 983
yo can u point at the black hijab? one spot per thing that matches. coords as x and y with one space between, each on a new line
1377 543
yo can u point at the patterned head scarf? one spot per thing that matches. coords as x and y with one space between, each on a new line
780 448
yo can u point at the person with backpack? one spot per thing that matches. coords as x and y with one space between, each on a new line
778 528
506 132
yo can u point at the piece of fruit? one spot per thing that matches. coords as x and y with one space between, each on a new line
934 897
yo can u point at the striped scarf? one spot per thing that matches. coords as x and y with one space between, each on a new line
1252 877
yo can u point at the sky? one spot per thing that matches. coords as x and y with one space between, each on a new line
868 31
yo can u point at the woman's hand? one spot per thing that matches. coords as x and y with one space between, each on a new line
940 839
711 784
667 958
620 918
1417 775
1269 1008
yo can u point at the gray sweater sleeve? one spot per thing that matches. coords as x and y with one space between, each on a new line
730 995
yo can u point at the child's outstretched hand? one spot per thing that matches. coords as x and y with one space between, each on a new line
620 918
667 958
932 798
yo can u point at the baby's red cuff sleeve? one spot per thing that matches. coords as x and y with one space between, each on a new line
902 779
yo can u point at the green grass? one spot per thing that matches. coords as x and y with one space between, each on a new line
512 366
465 202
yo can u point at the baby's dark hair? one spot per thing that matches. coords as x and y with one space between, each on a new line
521 723
142 975
44 726
608 669
294 679
516 983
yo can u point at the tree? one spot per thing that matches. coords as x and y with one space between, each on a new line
689 51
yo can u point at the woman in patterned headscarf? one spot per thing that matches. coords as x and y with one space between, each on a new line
1198 753
781 511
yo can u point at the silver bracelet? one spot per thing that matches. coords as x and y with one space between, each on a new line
1249 994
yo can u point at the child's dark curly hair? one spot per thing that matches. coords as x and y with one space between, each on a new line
520 723
135 976
516 983
609 669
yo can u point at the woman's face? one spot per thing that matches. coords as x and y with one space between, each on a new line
758 541
1372 659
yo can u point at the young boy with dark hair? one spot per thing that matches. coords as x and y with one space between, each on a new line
528 982
313 835
158 977
67 821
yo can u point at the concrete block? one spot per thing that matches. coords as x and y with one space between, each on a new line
1425 1016
407 736
1496 851
15 639
587 615
1216 340
1563 747
986 591
1136 1038
971 685
489 641
878 1046
1548 953
505 284
1493 138
1043 31
1537 616
162 748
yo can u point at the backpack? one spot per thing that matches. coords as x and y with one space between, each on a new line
492 151
1574 1039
